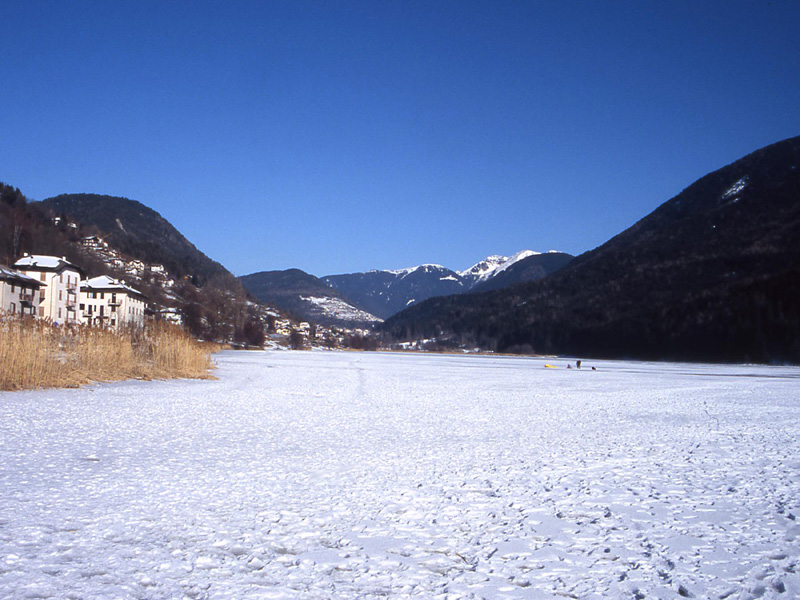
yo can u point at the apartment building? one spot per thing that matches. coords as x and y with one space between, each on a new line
111 303
58 299
19 294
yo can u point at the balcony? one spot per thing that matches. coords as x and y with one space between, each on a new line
27 299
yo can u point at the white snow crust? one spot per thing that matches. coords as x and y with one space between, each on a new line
342 475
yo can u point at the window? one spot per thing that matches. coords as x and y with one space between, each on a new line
60 292
82 307
59 313
13 308
102 295
114 308
12 288
41 276
41 311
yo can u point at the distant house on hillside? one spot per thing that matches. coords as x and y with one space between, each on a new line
59 300
171 315
111 303
19 294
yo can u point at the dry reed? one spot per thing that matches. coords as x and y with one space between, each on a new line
36 354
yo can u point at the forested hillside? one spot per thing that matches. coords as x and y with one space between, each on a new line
712 274
138 230
212 302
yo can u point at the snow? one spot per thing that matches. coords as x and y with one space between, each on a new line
14 275
104 282
409 270
363 475
515 259
42 261
484 267
335 307
492 265
735 188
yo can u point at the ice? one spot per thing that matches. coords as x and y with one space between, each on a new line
367 475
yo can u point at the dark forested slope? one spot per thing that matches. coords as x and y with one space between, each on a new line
137 230
712 274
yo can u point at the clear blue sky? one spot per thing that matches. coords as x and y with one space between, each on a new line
343 136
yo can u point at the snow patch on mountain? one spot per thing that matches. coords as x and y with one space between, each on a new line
409 270
492 265
339 309
736 188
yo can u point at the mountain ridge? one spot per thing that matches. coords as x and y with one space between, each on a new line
139 230
711 274
386 292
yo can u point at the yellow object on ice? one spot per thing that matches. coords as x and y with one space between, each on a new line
546 366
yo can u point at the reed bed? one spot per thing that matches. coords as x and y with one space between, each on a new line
36 354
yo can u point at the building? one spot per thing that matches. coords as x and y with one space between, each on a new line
19 294
108 302
59 298
171 315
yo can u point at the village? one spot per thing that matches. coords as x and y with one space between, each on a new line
60 292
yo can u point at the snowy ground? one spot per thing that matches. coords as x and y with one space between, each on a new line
359 475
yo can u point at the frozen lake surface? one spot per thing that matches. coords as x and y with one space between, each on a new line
362 475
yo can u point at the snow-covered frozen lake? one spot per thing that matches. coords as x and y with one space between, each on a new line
361 475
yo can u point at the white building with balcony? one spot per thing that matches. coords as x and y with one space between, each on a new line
19 294
58 300
109 302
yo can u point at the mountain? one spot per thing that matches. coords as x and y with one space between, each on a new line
385 293
307 297
712 274
137 230
489 267
528 268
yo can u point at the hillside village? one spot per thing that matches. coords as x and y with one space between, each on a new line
131 269
54 289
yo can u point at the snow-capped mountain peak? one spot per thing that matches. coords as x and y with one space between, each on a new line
492 265
407 271
487 265
387 292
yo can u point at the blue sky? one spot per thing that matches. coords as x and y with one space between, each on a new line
344 136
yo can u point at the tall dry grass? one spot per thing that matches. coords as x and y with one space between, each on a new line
36 354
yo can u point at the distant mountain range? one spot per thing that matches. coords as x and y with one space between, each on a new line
306 297
385 293
712 274
371 296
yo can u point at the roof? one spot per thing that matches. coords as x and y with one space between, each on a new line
15 277
41 262
104 283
